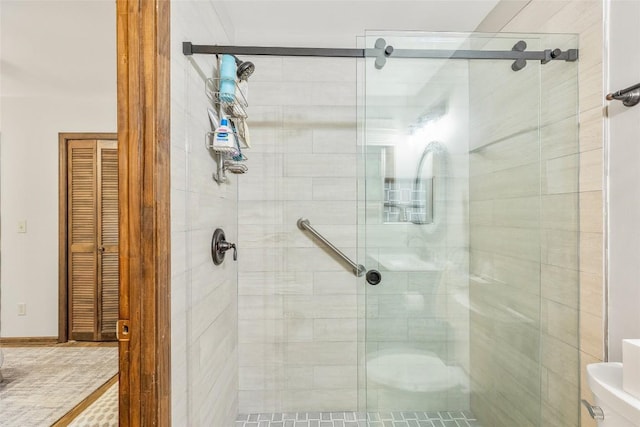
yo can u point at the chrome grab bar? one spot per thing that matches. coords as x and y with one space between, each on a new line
629 96
595 412
304 225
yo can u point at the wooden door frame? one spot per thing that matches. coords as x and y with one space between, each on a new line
63 231
143 64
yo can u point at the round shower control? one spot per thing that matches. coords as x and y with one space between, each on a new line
373 277
219 246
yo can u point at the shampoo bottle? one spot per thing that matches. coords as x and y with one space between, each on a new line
224 139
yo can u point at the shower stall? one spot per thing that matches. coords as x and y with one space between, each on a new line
435 279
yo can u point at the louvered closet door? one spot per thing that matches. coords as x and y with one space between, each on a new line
93 239
108 239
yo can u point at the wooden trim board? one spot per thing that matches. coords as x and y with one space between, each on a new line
28 341
51 342
143 48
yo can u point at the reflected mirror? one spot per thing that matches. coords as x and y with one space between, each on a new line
409 192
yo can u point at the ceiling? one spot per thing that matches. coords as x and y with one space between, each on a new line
323 23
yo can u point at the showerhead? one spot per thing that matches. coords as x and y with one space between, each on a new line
245 69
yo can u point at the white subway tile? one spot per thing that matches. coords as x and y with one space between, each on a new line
260 331
298 329
306 259
253 212
320 165
321 306
334 189
335 377
259 354
321 353
275 283
321 214
320 71
334 93
335 330
335 140
326 400
275 189
260 307
334 283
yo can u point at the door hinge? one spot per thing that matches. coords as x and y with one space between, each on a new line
122 330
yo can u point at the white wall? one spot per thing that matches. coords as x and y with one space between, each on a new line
58 73
624 177
204 319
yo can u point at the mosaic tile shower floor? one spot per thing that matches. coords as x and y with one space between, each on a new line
358 419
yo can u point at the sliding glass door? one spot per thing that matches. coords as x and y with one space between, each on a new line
468 212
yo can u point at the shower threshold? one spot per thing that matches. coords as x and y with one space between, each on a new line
359 419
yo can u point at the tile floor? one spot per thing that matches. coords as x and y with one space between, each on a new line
42 384
101 413
358 419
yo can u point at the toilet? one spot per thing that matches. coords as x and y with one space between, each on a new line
613 406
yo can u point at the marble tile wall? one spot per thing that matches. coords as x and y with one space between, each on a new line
204 325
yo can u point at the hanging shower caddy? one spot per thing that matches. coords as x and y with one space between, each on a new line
234 108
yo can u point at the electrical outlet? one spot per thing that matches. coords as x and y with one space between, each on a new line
22 309
22 226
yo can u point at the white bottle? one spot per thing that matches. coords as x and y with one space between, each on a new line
224 138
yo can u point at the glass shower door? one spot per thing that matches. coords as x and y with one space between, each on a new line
457 213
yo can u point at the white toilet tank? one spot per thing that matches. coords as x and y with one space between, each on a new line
620 409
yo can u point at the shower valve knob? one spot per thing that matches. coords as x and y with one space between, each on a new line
373 277
219 247
225 246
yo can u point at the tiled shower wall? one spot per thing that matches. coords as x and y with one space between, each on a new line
582 17
297 304
524 242
204 350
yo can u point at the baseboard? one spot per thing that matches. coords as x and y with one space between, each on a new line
28 341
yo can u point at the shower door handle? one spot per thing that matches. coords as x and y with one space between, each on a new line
373 277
